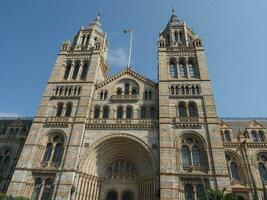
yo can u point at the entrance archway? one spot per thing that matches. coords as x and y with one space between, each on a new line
112 195
128 196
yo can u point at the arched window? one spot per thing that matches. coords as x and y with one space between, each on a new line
76 70
37 189
193 90
48 190
196 156
146 95
186 158
5 165
261 136
57 153
227 136
68 109
188 192
234 171
143 112
105 112
172 89
180 36
134 91
112 196
182 109
262 171
119 112
105 94
192 70
101 95
119 91
198 89
182 70
84 71
200 192
192 108
176 36
97 112
177 90
59 109
173 70
48 152
128 196
149 94
152 112
121 168
254 136
126 89
129 112
67 71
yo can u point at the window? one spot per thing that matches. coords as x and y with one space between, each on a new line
200 192
105 94
59 109
112 196
129 112
127 89
186 157
261 136
43 191
120 112
254 136
128 196
173 71
143 112
192 107
5 165
134 91
105 112
196 156
146 95
121 168
172 89
188 192
119 91
192 70
182 109
149 94
234 171
68 109
84 71
262 171
37 188
182 70
67 71
152 112
97 112
56 142
227 136
176 36
76 71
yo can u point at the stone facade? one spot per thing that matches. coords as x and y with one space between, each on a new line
126 137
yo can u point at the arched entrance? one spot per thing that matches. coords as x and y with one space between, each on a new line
120 163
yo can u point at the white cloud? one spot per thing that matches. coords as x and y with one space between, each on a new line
118 57
2 114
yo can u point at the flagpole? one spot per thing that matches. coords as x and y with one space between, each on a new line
130 48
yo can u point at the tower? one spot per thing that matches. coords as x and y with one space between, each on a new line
47 166
191 149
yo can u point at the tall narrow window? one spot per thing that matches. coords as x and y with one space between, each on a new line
76 70
59 109
261 136
152 112
118 91
146 95
120 112
48 152
97 112
129 112
227 136
67 71
127 89
84 71
192 107
254 136
188 192
200 192
112 196
149 94
105 112
143 112
37 189
182 70
134 91
196 156
5 165
48 190
262 171
186 157
57 153
234 171
182 109
176 36
68 109
173 71
192 70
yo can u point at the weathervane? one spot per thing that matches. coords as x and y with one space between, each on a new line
130 47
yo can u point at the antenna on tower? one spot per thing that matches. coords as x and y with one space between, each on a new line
130 46
173 9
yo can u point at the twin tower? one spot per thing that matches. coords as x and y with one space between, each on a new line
126 137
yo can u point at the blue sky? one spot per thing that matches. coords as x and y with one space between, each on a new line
234 34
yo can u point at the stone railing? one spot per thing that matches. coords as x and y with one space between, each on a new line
124 98
54 121
188 122
122 123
